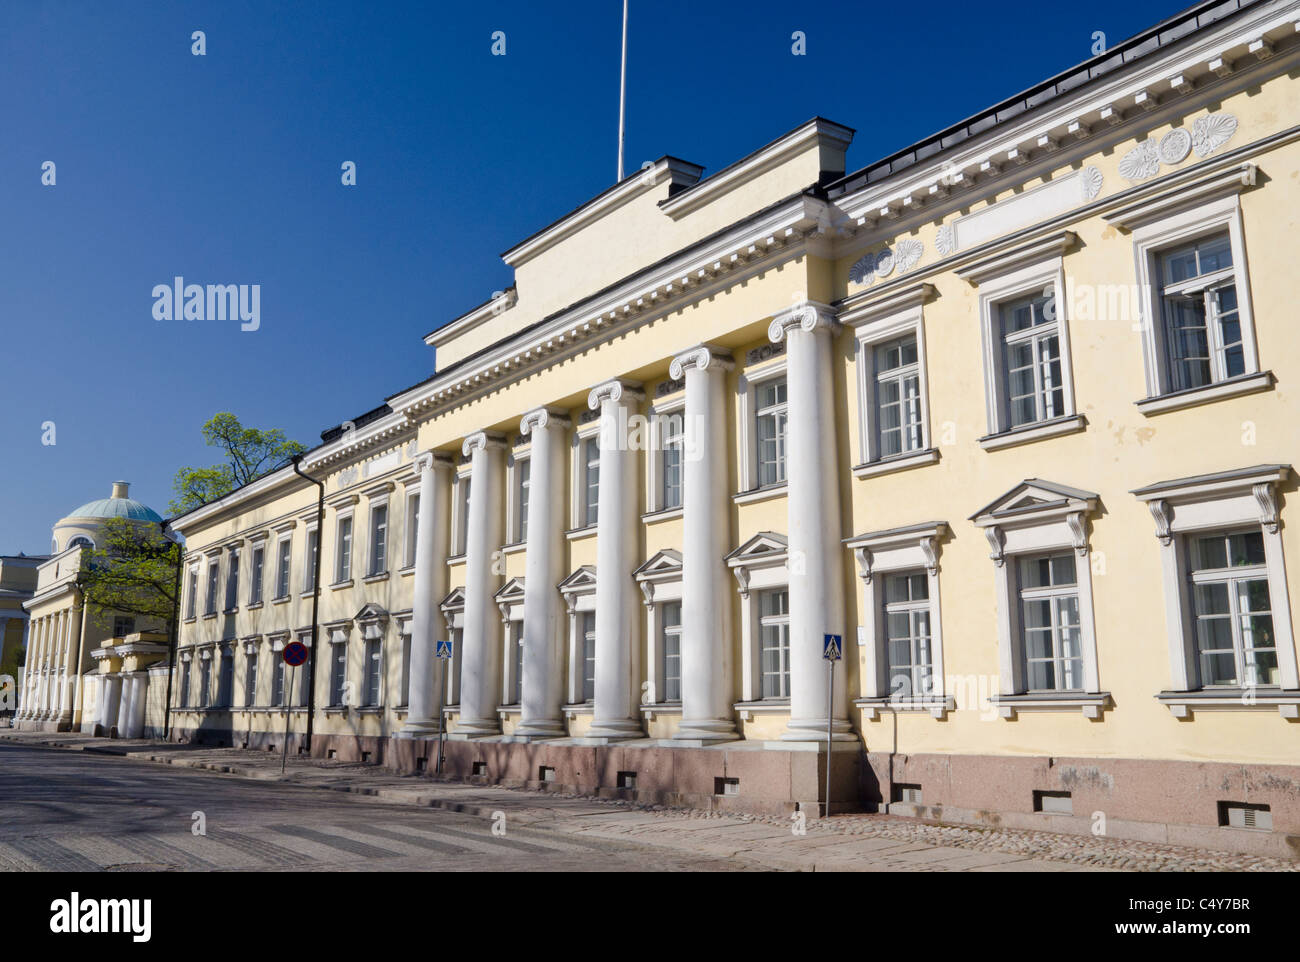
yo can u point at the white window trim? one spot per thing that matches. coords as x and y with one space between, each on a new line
307 567
510 602
1158 236
518 456
660 581
874 325
234 558
659 412
747 385
756 573
1029 269
379 497
578 474
409 525
258 597
1204 504
346 514
910 549
579 593
336 634
459 527
1060 524
453 615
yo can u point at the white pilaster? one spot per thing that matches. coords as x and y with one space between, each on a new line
480 664
111 691
706 668
126 693
813 506
139 698
544 623
615 714
430 586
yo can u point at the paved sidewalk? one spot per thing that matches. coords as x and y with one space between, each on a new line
841 843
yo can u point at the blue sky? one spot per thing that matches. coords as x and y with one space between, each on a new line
225 169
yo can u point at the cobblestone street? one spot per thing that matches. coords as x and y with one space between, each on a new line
373 819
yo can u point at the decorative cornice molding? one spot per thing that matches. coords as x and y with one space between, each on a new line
702 358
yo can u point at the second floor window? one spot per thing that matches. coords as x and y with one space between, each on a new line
313 550
674 440
523 472
190 611
1034 388
1235 642
588 656
898 398
210 606
256 575
282 569
379 540
412 528
770 422
232 582
1053 645
591 480
1202 324
343 563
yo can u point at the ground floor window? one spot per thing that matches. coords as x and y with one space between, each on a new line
774 642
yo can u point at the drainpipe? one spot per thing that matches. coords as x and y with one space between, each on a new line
315 597
175 629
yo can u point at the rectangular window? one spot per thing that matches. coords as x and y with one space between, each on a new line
313 551
123 626
898 398
282 569
256 575
907 634
591 480
190 612
343 556
516 636
406 666
232 581
277 681
185 685
670 618
1235 643
250 679
453 663
205 681
1198 304
462 514
1053 646
588 656
210 606
412 528
774 643
1034 389
226 679
770 418
374 671
338 673
379 539
674 441
523 475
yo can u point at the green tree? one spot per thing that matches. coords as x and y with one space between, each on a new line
132 571
249 454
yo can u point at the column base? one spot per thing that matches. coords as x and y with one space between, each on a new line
615 730
814 730
697 734
421 728
466 730
539 730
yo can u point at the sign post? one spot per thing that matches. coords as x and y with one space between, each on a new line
832 651
443 652
294 654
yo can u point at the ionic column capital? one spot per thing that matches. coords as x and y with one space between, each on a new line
810 316
482 440
542 418
705 357
615 390
434 460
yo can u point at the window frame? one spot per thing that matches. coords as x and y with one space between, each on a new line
344 546
283 567
518 462
661 414
1152 240
579 508
309 565
233 556
459 527
256 572
377 537
748 385
781 622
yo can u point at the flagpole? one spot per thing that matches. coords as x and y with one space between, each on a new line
622 93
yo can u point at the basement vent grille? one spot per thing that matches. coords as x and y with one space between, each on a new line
907 793
545 773
1054 803
1245 815
627 779
726 786
479 768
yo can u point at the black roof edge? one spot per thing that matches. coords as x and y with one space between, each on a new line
465 314
361 420
1140 45
768 146
591 200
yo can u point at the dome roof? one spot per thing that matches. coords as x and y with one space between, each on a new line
117 505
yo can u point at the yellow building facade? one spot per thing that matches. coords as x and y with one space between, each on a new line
1006 411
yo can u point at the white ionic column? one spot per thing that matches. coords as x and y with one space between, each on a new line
430 586
618 614
544 623
125 696
27 701
480 665
139 698
813 504
111 696
706 594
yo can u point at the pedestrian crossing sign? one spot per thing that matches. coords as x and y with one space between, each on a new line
833 650
443 649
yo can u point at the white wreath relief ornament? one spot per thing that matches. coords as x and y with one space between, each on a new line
1211 132
1141 162
903 256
